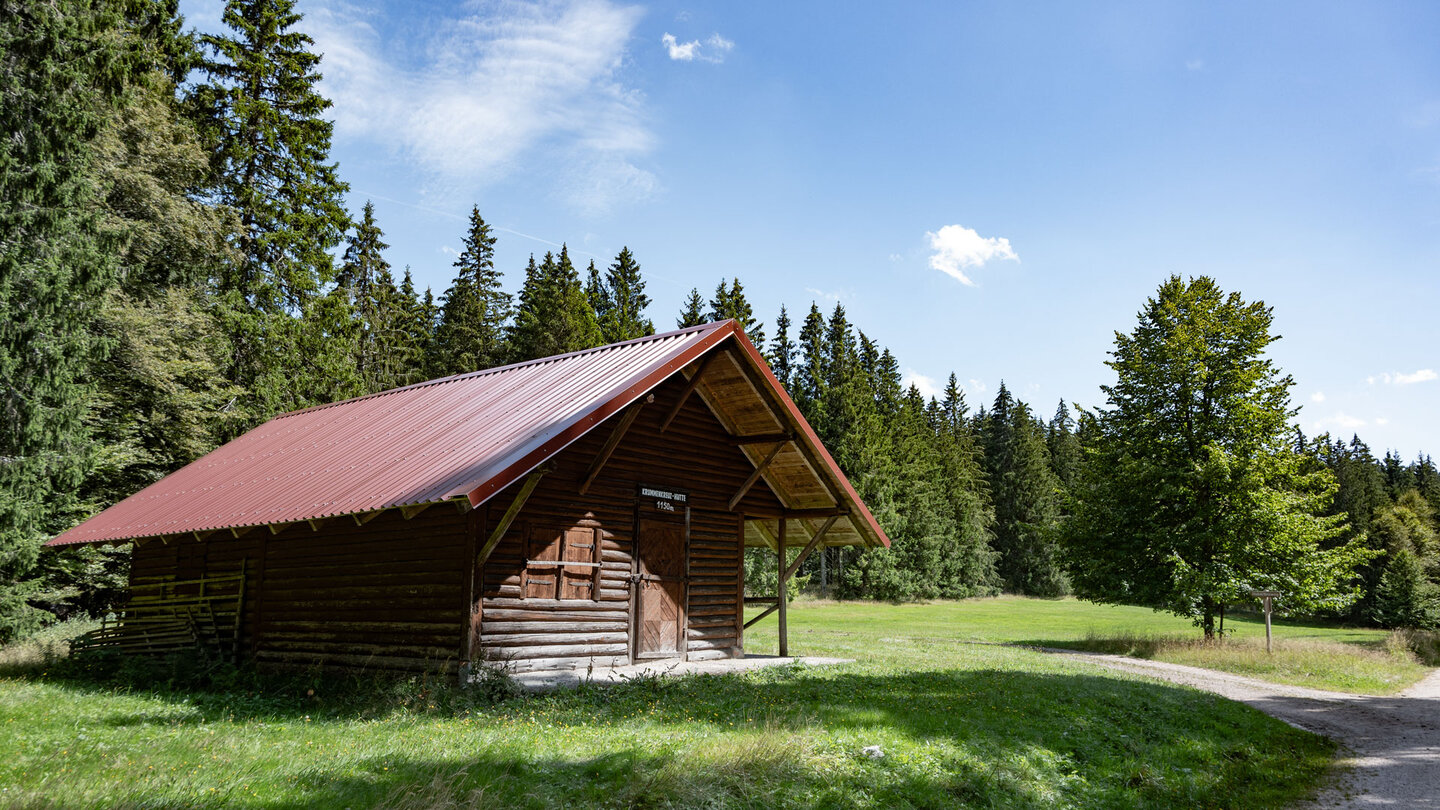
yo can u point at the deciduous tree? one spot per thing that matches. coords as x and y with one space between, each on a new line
1193 494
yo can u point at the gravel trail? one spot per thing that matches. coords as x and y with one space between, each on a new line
1391 744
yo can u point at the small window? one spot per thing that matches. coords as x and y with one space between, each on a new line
562 563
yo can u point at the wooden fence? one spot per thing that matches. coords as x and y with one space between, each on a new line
169 616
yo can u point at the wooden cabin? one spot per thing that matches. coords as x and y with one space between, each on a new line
585 509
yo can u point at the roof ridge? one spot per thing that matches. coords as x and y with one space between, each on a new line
510 367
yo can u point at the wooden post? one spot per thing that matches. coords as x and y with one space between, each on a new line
781 589
1266 598
1267 625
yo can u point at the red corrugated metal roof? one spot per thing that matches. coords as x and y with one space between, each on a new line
470 435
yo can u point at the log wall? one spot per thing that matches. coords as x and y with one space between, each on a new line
388 595
693 455
396 594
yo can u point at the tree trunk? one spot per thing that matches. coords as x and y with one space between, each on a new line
1207 621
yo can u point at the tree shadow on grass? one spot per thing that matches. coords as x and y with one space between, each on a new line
793 737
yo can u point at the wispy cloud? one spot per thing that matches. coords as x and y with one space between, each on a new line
927 385
1317 397
504 88
1337 421
825 296
958 248
1397 378
713 49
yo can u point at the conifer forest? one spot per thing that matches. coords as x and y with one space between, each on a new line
178 265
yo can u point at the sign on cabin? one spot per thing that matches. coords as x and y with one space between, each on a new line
666 500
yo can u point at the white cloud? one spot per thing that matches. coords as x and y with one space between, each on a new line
957 248
1318 396
1336 422
505 88
976 387
1397 378
927 385
825 296
1381 421
711 50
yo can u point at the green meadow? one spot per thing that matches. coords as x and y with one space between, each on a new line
956 724
1312 654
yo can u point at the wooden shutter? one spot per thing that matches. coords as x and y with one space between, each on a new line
582 557
543 547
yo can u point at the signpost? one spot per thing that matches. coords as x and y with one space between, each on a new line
1265 598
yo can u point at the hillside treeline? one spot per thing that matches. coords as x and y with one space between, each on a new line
177 265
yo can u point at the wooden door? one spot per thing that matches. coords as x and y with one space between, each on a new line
659 630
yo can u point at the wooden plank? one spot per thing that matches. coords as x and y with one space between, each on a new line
408 512
762 438
510 514
809 547
689 389
627 419
755 476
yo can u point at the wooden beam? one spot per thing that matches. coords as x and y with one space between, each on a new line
765 533
809 547
510 514
763 614
689 389
782 592
365 517
626 419
408 512
462 505
316 523
780 413
239 531
276 528
796 514
200 536
761 438
755 476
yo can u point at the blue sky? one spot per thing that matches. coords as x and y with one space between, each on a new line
988 188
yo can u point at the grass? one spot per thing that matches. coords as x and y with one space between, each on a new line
1313 654
960 725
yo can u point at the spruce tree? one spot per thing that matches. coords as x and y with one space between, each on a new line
361 269
972 556
1064 446
782 350
471 334
1025 497
693 313
729 302
597 294
810 373
624 301
554 315
63 70
262 120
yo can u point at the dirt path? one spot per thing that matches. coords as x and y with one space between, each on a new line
1392 743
